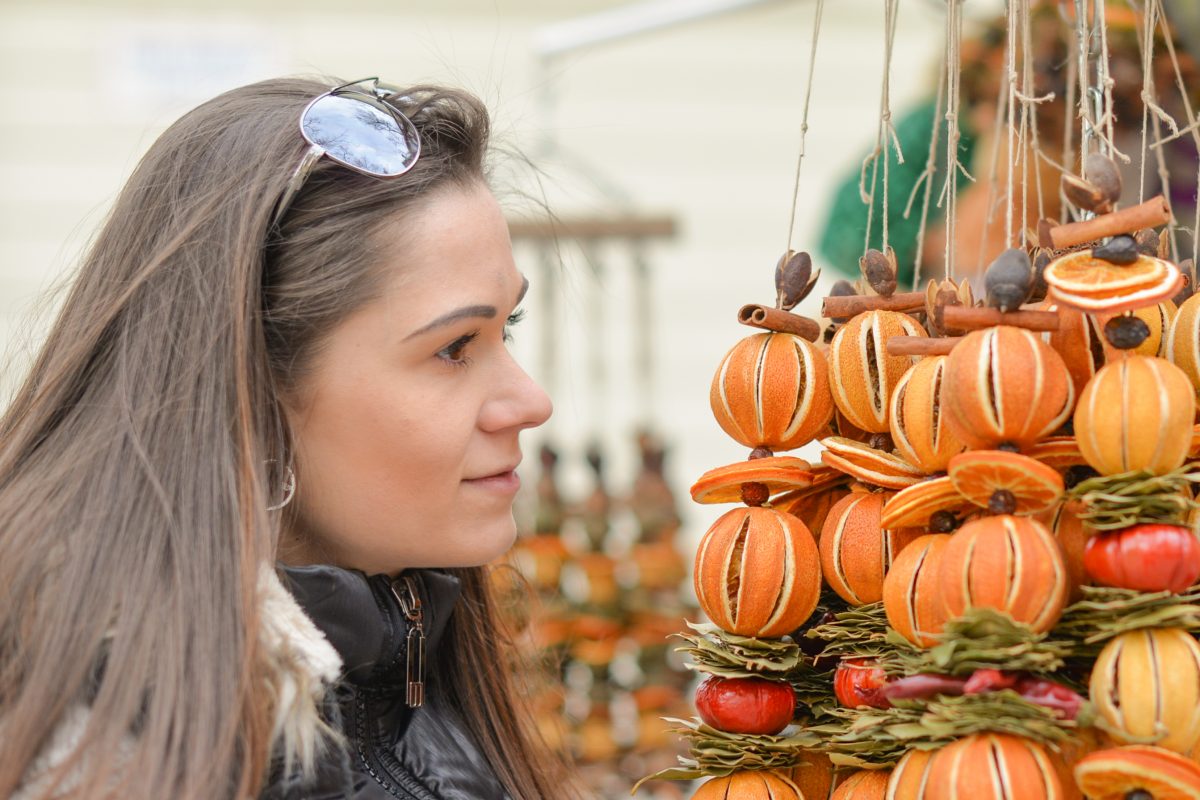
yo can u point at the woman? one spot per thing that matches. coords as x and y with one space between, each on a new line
284 355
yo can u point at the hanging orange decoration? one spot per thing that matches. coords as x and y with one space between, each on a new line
1136 414
1027 485
814 775
910 779
866 784
1004 385
1146 686
1116 773
856 552
862 372
913 507
992 766
1088 283
867 464
917 419
757 572
777 474
1072 536
749 785
1079 341
1011 564
911 595
772 390
1183 342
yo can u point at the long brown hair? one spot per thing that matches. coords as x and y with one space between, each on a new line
139 456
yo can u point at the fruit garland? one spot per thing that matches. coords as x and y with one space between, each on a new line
991 574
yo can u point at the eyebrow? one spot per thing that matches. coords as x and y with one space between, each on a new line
466 312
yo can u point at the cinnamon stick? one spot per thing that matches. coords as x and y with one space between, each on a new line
969 319
780 321
1150 214
921 345
849 305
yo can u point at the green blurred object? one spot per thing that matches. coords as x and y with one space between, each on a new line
842 240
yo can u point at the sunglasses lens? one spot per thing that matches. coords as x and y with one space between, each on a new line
360 135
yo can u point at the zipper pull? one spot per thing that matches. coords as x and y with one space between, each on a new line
405 591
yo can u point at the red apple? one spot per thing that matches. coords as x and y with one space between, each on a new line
858 682
746 705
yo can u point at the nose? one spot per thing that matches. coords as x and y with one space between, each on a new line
518 403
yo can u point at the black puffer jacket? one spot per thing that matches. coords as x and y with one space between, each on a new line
392 751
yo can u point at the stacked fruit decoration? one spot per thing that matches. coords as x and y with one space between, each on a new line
1006 533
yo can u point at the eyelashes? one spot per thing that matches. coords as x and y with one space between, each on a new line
455 353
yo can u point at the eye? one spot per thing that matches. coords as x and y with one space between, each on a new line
455 352
512 320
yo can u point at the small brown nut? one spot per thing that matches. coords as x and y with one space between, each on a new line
880 271
1102 172
1084 195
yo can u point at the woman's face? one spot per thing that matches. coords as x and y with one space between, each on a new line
406 434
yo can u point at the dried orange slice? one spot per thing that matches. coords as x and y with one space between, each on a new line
1081 273
1148 296
979 475
869 465
1057 452
777 473
912 507
1115 773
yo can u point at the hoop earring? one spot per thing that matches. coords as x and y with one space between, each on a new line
289 489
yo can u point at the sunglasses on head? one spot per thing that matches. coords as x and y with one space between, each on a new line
358 128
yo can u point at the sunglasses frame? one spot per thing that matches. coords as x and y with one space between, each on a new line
377 98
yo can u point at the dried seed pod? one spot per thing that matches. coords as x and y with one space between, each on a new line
862 371
1188 269
772 390
1146 684
1038 288
1126 332
1010 564
1102 172
1118 250
757 572
1009 279
794 279
1147 241
842 288
1083 194
880 271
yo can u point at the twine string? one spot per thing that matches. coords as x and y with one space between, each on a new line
812 61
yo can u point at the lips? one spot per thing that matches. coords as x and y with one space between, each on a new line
500 473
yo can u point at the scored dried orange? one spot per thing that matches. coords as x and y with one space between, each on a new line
911 597
772 390
777 473
979 474
861 370
1113 773
757 572
866 784
910 777
1079 341
912 507
856 552
749 784
992 766
1072 534
1183 340
917 421
861 461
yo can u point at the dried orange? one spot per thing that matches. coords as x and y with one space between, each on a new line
749 785
1011 564
910 777
1112 774
1072 534
1136 414
979 474
1183 342
862 372
1146 686
856 552
772 390
917 421
1081 273
813 776
911 596
777 473
912 507
1079 341
1005 385
1057 452
757 572
866 784
865 463
992 766
812 507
